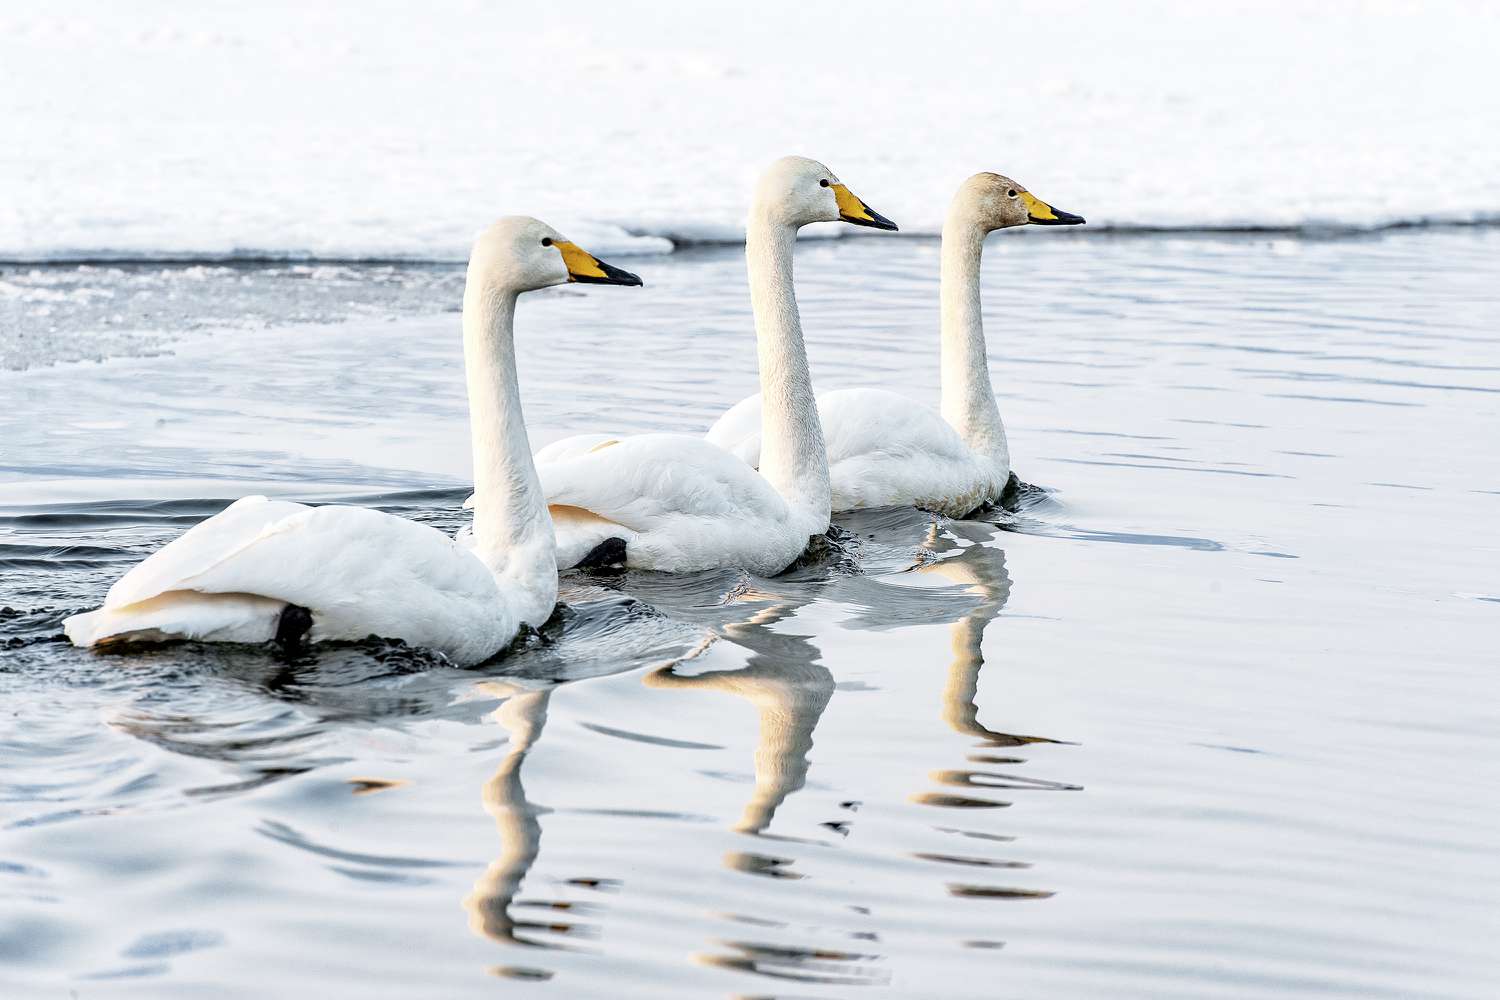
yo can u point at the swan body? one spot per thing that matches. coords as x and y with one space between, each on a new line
885 449
570 447
680 503
359 571
355 572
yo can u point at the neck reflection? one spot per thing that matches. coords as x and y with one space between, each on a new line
965 559
494 910
789 686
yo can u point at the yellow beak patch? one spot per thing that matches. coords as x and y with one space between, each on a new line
584 267
1038 209
856 212
579 262
1038 212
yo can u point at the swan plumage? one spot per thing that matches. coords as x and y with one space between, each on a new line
676 501
679 502
885 449
360 572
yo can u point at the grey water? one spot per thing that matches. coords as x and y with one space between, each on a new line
1213 716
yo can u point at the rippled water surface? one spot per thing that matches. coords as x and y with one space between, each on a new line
1215 717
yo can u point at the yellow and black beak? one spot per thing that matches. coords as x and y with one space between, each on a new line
1039 213
585 268
857 213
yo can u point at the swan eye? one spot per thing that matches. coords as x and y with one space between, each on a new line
546 241
1011 193
823 182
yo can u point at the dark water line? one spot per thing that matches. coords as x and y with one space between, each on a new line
260 256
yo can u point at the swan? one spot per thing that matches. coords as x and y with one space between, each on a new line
680 503
271 569
885 449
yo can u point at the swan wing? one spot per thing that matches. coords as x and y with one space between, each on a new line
359 571
199 548
855 422
858 422
642 479
565 448
574 446
737 431
679 502
887 450
884 449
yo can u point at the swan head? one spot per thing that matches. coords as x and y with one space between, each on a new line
523 254
796 191
994 201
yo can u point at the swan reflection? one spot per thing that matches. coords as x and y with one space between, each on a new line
959 579
964 558
494 910
789 686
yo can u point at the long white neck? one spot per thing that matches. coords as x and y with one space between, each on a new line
793 457
512 530
968 399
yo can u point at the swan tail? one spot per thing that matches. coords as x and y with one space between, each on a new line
183 614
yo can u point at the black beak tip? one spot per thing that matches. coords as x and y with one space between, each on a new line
875 221
612 276
1061 219
620 276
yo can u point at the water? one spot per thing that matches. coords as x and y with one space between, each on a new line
1216 717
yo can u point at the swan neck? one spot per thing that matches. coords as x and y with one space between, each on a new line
968 399
793 457
512 530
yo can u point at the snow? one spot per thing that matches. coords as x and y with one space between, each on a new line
394 131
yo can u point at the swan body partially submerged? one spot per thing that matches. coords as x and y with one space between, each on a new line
272 569
680 503
885 449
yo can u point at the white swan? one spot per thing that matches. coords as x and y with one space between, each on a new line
887 450
679 503
271 569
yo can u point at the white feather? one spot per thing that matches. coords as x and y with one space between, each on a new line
681 503
678 503
884 450
887 450
360 572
